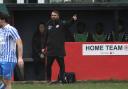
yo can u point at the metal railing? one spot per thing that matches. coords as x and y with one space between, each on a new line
62 1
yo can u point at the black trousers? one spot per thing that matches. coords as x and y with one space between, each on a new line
39 69
60 61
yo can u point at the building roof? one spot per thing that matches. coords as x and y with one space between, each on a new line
4 9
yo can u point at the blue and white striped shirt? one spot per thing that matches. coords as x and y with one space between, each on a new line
8 37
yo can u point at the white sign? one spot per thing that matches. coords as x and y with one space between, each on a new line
1 1
67 0
20 1
41 1
105 49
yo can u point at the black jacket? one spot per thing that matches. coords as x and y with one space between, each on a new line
55 37
37 45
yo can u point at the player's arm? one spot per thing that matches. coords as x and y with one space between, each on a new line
17 39
20 51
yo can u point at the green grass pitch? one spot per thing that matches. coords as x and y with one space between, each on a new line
85 85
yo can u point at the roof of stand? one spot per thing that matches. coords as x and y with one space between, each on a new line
4 9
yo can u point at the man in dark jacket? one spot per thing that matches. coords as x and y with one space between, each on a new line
55 35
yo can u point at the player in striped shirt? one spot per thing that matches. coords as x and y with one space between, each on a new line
9 38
